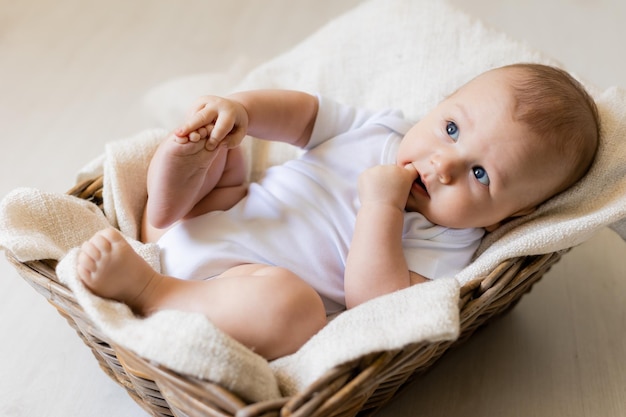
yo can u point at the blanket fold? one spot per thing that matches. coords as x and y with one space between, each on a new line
38 225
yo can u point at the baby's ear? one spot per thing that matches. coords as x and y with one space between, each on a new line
520 213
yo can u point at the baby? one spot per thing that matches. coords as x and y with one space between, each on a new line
375 204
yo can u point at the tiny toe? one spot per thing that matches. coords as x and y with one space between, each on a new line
194 137
86 262
88 249
101 243
83 273
181 139
112 235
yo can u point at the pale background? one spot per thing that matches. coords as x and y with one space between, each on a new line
72 77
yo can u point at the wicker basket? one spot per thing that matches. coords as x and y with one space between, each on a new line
359 387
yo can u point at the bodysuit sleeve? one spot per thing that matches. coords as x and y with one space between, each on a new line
334 118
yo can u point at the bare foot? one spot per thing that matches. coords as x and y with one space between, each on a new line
179 176
110 268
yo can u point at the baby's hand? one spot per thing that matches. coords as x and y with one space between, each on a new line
221 121
387 184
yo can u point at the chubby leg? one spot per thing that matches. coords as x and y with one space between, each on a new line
183 175
268 309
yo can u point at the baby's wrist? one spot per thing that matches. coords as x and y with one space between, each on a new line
379 204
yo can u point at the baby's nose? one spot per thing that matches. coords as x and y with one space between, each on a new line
446 167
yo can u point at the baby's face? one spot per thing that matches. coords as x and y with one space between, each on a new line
477 166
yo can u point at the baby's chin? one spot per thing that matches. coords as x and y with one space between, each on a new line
452 224
411 210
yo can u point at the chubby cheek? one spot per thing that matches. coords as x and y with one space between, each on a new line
454 210
447 217
410 147
403 156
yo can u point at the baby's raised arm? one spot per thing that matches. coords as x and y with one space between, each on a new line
376 264
278 115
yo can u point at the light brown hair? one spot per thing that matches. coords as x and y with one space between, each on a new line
559 111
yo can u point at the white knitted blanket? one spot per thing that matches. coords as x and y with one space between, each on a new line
384 53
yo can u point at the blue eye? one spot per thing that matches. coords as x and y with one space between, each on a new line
481 175
453 131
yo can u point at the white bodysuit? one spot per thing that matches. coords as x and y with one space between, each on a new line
301 215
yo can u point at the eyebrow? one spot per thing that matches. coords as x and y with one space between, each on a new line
465 114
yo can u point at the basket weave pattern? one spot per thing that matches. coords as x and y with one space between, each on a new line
359 387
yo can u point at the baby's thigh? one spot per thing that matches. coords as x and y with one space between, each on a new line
235 170
276 290
284 309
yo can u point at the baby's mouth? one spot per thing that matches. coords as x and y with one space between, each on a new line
418 182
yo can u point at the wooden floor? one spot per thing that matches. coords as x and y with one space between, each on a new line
73 74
